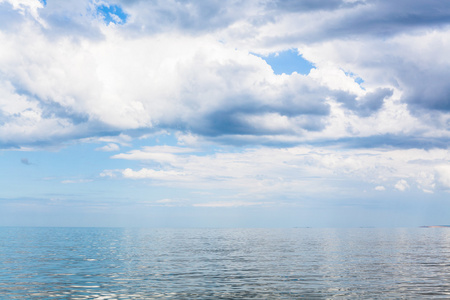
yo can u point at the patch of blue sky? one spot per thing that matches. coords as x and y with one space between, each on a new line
287 62
355 77
43 2
72 172
112 14
359 80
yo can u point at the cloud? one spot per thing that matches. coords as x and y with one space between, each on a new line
25 161
227 92
162 154
154 174
109 147
402 185
417 80
258 21
191 17
389 141
344 20
121 139
369 103
166 202
27 7
443 172
263 172
69 181
230 204
109 173
311 5
188 67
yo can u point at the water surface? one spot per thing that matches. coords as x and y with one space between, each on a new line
117 263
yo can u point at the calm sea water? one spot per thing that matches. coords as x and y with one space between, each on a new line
113 263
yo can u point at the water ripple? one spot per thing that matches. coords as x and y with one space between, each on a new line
113 263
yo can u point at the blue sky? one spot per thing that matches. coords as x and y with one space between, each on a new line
224 114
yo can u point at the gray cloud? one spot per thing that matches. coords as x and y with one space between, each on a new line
188 16
363 18
368 104
384 18
426 88
311 5
25 161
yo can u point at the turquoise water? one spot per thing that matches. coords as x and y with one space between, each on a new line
115 263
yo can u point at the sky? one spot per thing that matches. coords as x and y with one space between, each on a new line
255 113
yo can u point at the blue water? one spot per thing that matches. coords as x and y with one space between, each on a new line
114 263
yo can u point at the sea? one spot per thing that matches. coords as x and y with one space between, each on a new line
296 263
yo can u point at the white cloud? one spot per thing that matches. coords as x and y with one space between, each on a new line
28 6
109 147
121 139
230 204
110 173
426 181
76 181
156 153
148 86
166 200
264 172
154 174
443 172
209 87
402 185
196 73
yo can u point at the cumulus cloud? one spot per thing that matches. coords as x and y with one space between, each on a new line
81 90
402 185
411 64
370 103
70 74
443 172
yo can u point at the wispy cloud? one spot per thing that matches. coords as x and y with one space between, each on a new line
68 181
109 147
230 204
302 170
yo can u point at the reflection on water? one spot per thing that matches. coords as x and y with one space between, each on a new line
112 263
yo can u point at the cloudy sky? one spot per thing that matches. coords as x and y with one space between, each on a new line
240 113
